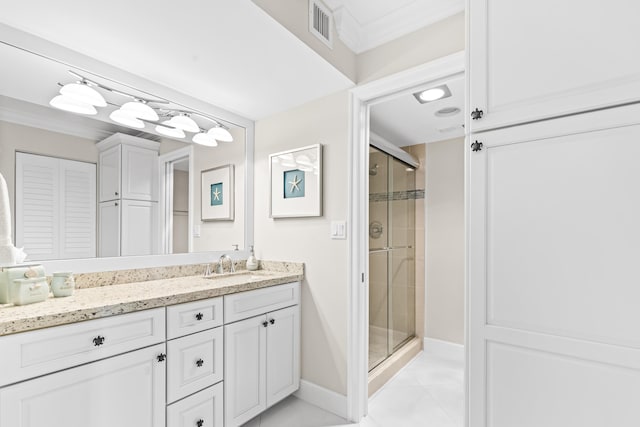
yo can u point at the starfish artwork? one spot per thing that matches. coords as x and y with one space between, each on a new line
216 194
293 184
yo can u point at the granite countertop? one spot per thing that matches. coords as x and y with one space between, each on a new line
102 301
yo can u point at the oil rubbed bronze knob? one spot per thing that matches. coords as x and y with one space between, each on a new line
98 341
200 422
199 316
265 323
272 321
199 363
161 357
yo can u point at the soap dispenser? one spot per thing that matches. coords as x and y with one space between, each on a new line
252 262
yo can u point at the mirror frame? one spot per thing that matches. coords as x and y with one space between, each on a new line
54 52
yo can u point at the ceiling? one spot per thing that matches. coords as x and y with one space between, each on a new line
365 24
404 121
228 53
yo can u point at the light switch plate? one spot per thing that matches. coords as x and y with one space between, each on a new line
339 230
196 230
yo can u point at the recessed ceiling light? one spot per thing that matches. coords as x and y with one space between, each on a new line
432 94
447 112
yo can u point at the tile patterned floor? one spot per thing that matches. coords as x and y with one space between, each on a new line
428 392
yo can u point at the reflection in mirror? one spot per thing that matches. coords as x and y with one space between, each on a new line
84 185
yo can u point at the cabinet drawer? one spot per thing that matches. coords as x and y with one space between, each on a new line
184 319
31 354
194 362
201 409
252 303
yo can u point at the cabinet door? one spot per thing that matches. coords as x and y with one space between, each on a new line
540 59
109 229
203 409
283 353
553 266
245 370
124 391
139 173
139 228
110 168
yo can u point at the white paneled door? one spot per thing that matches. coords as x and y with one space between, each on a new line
545 58
554 244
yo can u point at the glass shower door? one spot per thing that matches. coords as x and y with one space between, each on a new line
391 255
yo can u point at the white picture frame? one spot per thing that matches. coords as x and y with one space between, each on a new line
296 183
217 192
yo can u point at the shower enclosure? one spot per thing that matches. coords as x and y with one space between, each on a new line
391 255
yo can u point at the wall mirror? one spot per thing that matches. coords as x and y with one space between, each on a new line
31 129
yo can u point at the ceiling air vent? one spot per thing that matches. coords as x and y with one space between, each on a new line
321 22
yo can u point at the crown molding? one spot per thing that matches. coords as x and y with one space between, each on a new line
361 37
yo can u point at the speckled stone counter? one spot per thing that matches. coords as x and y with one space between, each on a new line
92 302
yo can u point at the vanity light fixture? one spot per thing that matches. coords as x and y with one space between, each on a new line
170 131
185 122
432 94
69 104
140 110
82 92
205 138
221 134
82 97
122 117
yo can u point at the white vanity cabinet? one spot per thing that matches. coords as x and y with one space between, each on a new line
545 58
98 373
208 363
262 353
128 209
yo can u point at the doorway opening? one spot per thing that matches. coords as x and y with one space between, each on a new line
370 103
176 201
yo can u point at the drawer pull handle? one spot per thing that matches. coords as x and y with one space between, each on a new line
161 357
97 341
199 316
272 321
200 422
265 323
199 363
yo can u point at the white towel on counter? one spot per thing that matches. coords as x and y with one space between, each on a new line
9 254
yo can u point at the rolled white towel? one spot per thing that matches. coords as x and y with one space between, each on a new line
5 214
9 254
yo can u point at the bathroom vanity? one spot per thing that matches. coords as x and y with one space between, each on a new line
187 351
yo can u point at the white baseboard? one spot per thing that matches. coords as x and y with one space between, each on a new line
323 398
444 349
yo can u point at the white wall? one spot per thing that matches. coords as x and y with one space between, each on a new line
445 241
221 235
417 48
324 291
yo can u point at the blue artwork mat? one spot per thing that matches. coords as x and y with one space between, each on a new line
293 183
216 194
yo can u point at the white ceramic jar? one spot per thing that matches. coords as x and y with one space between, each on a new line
62 284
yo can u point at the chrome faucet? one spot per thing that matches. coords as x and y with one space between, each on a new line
220 268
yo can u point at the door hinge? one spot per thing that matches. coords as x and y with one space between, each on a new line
362 277
476 146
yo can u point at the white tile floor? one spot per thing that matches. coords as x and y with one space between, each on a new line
428 392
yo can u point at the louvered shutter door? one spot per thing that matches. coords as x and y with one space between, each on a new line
55 207
37 205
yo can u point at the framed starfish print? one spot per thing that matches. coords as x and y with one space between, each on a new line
217 193
296 182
